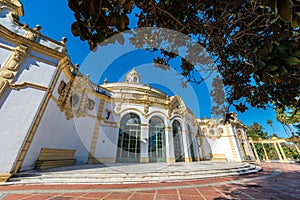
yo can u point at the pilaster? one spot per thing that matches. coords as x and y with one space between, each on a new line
144 155
185 146
170 158
92 159
230 135
4 177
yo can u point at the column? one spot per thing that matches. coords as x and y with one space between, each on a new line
144 156
297 148
266 155
202 154
92 159
255 152
282 152
277 151
170 158
185 144
197 148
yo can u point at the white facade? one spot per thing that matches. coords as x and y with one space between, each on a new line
46 103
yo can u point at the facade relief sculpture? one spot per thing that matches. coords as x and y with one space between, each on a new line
11 67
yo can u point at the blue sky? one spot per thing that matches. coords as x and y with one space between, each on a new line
56 18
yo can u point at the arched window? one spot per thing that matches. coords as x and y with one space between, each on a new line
177 140
129 139
157 141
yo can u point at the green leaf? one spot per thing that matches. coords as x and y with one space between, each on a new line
75 28
274 20
94 8
291 60
296 20
271 68
283 71
73 4
128 5
296 53
123 21
285 9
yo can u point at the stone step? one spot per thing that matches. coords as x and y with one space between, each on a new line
137 174
115 175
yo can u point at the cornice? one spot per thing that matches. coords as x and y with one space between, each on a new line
20 40
22 85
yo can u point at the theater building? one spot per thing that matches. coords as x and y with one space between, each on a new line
46 104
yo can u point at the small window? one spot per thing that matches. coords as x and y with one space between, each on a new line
135 79
107 114
91 104
74 99
61 87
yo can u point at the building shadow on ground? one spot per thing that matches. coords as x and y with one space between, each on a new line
286 185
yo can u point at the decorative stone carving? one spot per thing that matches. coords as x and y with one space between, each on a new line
17 58
214 132
33 35
73 99
10 68
176 107
146 109
118 107
3 84
64 41
7 74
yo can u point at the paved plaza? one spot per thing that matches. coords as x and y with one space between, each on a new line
275 181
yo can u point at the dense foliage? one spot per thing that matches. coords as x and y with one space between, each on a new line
254 44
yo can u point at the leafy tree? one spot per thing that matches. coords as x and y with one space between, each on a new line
255 131
291 152
255 44
288 117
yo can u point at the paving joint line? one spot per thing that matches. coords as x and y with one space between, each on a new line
275 173
2 195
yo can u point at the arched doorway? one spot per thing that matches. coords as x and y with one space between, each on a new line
129 139
177 140
157 141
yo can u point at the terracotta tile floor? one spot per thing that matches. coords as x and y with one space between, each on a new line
262 185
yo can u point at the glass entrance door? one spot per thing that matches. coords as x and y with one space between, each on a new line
129 139
157 141
157 146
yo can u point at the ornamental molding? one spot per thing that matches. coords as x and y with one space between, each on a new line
20 40
73 97
11 67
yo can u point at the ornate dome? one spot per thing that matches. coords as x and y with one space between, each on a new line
133 76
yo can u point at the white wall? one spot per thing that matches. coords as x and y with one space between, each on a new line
7 43
107 142
55 131
35 72
16 116
7 23
20 108
4 55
